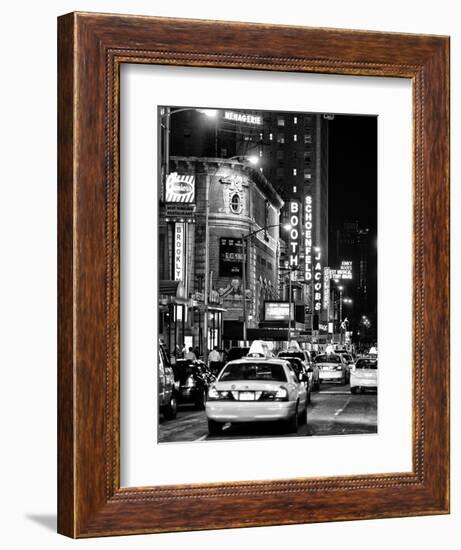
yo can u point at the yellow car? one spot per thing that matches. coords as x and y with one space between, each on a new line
257 389
364 374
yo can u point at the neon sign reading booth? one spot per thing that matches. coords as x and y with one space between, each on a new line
308 237
294 234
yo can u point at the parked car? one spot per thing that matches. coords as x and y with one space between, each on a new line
306 357
257 389
331 368
192 380
166 386
364 374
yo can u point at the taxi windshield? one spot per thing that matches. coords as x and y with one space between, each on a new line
253 371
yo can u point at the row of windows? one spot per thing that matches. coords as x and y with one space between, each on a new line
281 138
264 262
280 155
280 172
281 120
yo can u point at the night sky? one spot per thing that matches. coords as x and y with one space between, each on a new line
353 184
353 171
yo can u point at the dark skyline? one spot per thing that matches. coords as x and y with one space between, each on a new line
353 171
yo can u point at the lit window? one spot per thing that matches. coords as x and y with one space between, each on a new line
280 121
307 174
280 138
295 120
307 138
271 137
294 171
260 152
295 137
294 188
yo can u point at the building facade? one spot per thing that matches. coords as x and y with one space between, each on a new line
205 248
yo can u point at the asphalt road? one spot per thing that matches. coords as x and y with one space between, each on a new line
332 411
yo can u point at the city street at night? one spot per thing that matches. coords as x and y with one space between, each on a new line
267 274
332 411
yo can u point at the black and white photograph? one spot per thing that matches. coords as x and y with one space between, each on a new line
267 274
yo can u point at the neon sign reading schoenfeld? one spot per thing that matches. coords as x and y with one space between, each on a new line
308 237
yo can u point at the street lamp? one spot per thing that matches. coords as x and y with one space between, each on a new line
244 241
166 115
252 159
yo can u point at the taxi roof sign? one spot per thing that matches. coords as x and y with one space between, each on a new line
259 348
294 346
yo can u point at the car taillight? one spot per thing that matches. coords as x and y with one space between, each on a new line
215 395
281 394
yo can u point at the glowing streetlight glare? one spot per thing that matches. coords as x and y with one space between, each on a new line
340 287
317 248
211 113
253 159
287 226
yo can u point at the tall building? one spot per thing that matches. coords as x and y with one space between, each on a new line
352 244
292 152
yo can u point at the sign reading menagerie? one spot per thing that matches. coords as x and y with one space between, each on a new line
243 117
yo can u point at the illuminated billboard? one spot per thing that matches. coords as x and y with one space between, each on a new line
179 188
278 311
344 272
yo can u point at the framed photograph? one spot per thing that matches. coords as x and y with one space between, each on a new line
251 218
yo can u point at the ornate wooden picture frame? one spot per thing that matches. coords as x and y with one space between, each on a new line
92 48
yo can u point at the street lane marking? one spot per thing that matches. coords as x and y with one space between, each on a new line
339 411
202 438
